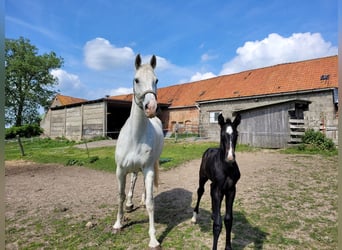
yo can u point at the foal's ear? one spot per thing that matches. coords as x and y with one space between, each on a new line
220 119
153 61
237 120
137 61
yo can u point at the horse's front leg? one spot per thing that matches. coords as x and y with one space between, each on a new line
129 203
200 192
228 219
121 178
149 176
216 200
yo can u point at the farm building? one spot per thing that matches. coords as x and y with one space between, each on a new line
277 104
77 119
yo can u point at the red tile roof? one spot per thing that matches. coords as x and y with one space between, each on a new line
277 79
67 100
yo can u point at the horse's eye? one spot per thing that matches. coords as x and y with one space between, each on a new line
136 80
156 81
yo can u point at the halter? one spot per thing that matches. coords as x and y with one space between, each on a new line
141 97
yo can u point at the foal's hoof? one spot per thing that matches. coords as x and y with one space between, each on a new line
129 208
156 248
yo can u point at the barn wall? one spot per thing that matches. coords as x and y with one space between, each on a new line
76 123
94 122
57 123
45 122
321 110
73 123
266 127
186 118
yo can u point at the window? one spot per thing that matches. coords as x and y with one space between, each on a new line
213 116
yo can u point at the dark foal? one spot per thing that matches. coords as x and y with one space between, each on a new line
219 166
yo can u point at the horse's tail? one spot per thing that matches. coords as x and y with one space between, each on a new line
156 173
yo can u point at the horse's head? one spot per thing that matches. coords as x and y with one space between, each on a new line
229 135
145 86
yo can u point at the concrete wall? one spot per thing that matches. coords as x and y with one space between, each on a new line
76 123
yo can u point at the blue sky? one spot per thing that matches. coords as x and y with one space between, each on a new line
192 40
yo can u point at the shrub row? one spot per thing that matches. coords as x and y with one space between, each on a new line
29 130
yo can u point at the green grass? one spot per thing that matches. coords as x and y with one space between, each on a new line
297 206
64 152
307 149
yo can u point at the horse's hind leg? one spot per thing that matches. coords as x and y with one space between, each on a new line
121 178
216 200
129 203
200 192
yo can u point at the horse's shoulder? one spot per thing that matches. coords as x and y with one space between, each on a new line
210 152
156 122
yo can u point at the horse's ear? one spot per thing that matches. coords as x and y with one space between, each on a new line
237 120
153 61
137 61
220 119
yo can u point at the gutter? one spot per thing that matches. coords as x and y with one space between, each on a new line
263 96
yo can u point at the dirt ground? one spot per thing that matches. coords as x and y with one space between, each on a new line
40 189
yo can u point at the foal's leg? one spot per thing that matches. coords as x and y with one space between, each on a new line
129 203
216 200
228 219
121 178
149 176
200 192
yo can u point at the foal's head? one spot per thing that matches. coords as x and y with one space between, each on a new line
229 135
145 86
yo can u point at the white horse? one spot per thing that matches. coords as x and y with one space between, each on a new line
140 142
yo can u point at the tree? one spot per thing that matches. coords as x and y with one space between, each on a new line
29 84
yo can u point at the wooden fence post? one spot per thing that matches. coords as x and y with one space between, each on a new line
21 146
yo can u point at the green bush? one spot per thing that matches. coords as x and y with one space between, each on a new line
28 130
318 140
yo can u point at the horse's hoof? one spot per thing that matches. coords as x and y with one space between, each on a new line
117 230
129 208
156 248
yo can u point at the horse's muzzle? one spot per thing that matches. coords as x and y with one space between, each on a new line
150 105
230 156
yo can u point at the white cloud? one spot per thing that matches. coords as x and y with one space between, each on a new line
121 91
100 54
276 49
67 80
207 57
199 76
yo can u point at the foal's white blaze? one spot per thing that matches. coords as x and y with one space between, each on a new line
229 130
230 156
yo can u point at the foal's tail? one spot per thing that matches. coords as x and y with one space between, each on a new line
156 173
